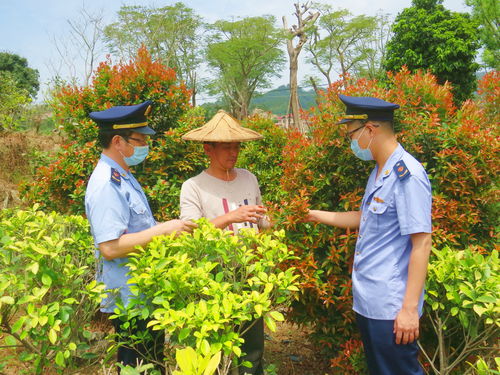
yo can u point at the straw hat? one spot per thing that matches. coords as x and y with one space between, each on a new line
222 128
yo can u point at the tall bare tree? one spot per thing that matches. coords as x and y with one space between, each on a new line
299 31
341 42
81 48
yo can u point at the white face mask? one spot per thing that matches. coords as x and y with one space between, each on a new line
362 153
140 153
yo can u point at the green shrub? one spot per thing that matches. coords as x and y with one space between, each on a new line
60 185
462 308
458 147
204 288
47 292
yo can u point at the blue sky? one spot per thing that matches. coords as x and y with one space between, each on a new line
29 27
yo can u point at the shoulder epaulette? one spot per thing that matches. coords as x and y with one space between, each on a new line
401 170
116 178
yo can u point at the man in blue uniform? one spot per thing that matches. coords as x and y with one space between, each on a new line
119 214
394 242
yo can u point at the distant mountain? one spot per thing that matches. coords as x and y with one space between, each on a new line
276 100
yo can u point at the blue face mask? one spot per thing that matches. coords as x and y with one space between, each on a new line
140 153
362 153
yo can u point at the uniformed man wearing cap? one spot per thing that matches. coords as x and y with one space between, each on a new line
230 198
119 214
394 242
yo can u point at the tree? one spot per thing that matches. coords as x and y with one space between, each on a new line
429 36
13 101
346 41
26 78
300 31
82 45
376 49
246 55
171 35
487 14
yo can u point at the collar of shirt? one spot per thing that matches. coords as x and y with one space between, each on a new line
115 165
125 174
388 166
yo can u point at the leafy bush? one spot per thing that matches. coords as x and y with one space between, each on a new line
205 288
458 147
13 102
60 185
47 292
462 307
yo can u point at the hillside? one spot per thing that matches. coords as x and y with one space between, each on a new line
276 100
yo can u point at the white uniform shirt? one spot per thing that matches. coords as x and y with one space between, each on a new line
210 197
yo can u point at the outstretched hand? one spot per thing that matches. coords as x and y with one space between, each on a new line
177 226
248 213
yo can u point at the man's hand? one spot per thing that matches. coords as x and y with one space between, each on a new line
311 217
247 213
177 226
406 326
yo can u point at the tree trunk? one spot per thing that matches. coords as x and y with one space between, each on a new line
294 95
298 31
316 90
193 90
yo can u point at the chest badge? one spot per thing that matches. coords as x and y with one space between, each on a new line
378 200
401 170
115 177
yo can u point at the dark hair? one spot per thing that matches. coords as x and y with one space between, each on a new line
105 136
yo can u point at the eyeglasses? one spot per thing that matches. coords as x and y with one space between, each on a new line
143 142
349 134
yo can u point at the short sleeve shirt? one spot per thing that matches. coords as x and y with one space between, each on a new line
210 197
114 206
392 209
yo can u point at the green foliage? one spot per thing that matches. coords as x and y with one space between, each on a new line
169 33
263 158
345 42
246 55
47 292
205 288
487 15
13 102
428 36
482 368
25 77
458 147
192 363
462 306
61 185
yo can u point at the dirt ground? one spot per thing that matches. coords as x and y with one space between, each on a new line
17 149
289 349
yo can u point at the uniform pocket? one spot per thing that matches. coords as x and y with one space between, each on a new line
139 217
378 215
377 208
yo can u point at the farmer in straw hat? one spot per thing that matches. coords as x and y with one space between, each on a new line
230 198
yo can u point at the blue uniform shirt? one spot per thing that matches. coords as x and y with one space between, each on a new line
114 206
393 208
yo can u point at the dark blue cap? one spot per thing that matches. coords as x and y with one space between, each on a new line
125 117
367 108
